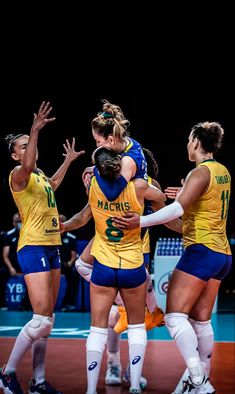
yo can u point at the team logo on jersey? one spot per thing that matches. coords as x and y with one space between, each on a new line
92 365
54 222
136 360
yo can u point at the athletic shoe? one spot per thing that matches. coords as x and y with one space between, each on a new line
122 321
42 388
9 383
127 379
134 391
154 319
206 388
187 388
184 382
113 375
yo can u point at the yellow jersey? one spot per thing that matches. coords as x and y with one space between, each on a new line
37 207
205 221
112 246
147 210
146 242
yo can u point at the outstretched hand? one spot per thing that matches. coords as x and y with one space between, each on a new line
71 154
172 191
40 119
129 221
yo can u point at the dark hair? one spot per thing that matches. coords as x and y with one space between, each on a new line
210 134
107 162
152 166
111 121
11 139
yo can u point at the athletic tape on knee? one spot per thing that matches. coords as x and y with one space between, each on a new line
136 334
113 316
202 328
84 269
177 323
97 339
39 326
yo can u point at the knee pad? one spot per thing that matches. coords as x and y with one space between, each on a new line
113 316
97 339
202 328
84 269
177 323
38 327
137 334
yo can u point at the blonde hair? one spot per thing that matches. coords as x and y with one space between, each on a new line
111 121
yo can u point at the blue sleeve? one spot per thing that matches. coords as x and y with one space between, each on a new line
113 189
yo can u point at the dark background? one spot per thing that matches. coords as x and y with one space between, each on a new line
161 113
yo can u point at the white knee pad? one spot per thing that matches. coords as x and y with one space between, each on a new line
97 339
136 334
202 328
177 323
40 326
84 269
113 316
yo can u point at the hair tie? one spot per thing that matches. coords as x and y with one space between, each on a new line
107 115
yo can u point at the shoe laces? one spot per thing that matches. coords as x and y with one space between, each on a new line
47 388
187 387
13 381
114 370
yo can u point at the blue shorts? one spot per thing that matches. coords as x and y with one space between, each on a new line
102 275
146 258
38 258
204 263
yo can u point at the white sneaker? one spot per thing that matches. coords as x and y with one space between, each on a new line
183 381
135 391
113 374
206 388
196 372
184 385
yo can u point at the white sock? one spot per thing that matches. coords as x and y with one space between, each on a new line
95 345
39 348
151 299
137 340
182 331
205 338
22 344
93 360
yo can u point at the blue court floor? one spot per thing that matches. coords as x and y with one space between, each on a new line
76 325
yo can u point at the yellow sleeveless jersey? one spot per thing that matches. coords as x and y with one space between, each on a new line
114 247
146 237
205 221
146 242
38 212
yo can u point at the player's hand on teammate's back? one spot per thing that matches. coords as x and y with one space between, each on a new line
129 221
87 175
